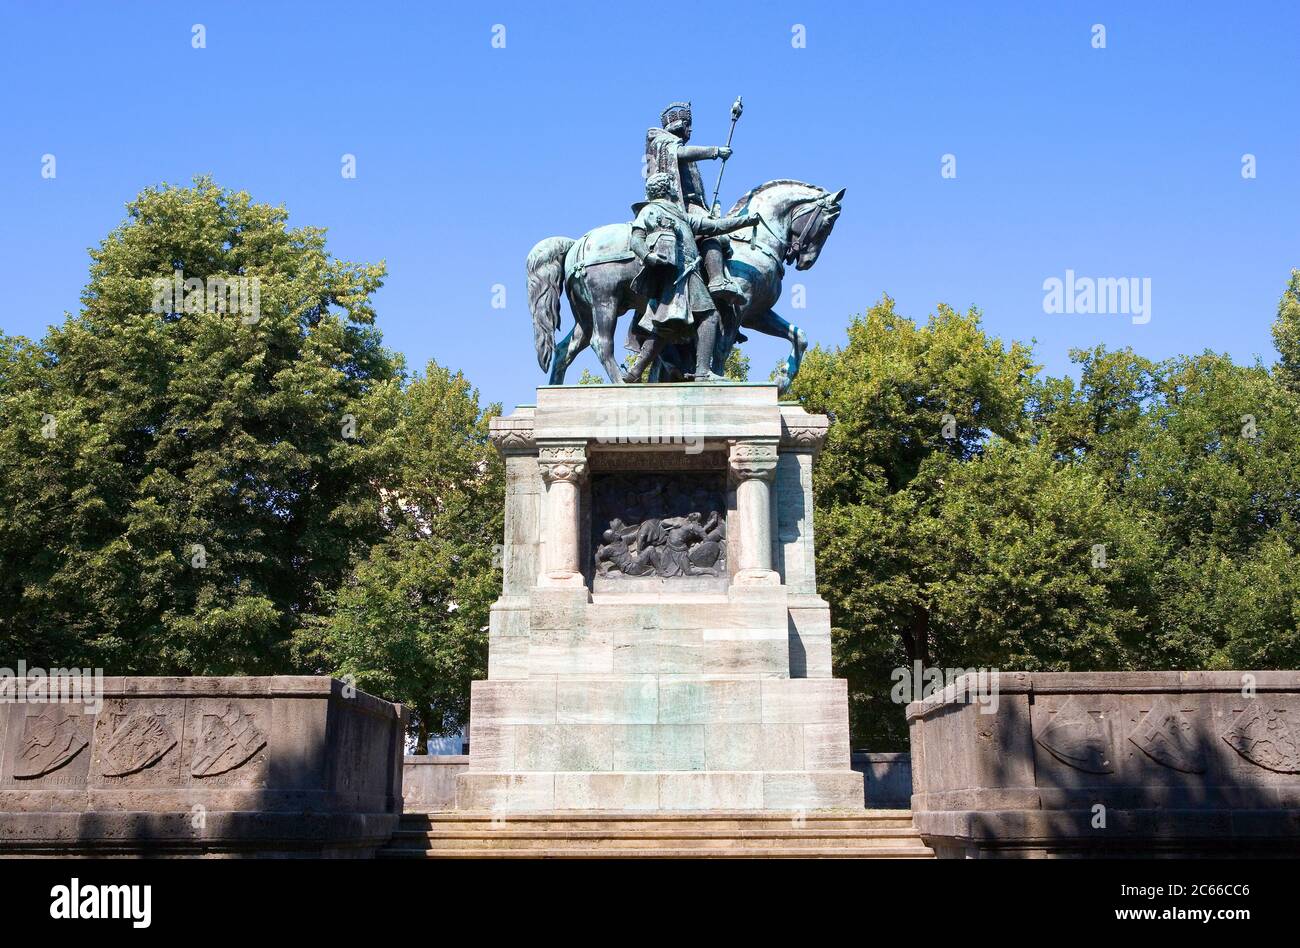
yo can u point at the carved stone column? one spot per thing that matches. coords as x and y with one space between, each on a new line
563 466
753 467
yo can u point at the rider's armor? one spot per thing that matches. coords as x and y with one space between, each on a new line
668 153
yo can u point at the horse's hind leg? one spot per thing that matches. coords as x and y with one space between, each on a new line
606 320
561 360
574 342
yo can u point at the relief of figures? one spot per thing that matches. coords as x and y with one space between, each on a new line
659 527
673 546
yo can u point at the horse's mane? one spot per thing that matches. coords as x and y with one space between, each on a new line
748 195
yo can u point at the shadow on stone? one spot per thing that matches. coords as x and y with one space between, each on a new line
274 766
1124 764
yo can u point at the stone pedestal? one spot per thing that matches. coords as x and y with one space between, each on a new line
639 659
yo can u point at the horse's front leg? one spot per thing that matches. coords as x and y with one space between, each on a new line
730 317
770 324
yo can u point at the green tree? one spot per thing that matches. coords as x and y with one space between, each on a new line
177 480
410 621
898 394
1206 455
970 513
737 365
1286 334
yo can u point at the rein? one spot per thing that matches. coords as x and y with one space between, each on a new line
814 215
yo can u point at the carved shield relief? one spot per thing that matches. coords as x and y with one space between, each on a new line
50 740
140 740
1166 735
1265 738
135 741
229 735
1077 739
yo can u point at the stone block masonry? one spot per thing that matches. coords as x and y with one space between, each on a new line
275 766
659 658
1118 764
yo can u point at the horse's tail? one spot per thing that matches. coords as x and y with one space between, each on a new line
545 281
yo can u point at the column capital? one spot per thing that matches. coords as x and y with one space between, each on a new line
564 461
749 460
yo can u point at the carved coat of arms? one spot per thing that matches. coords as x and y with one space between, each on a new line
1074 737
136 743
228 740
50 740
1265 739
1167 737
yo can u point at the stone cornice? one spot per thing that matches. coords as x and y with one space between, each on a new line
802 431
513 434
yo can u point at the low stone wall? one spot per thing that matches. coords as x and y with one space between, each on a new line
1110 764
886 779
429 781
202 766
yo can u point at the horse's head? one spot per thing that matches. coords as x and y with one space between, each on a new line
809 228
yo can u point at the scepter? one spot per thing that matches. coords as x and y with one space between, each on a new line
736 109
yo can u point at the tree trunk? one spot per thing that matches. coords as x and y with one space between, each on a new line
917 641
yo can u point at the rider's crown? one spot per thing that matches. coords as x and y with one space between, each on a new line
675 113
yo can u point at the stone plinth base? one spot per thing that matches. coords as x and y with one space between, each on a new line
684 661
666 790
669 742
283 766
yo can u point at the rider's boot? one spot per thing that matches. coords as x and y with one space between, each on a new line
644 358
721 286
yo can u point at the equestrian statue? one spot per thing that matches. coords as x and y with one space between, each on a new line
693 278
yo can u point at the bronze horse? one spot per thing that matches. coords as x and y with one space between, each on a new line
596 271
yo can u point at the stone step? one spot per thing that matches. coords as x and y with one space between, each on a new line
735 820
559 852
656 834
656 839
484 826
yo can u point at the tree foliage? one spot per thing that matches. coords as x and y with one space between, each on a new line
1286 334
410 622
971 513
176 485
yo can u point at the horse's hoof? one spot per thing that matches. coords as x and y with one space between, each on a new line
786 375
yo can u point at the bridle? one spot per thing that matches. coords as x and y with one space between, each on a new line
814 215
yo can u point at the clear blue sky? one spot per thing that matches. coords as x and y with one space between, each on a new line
1117 162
